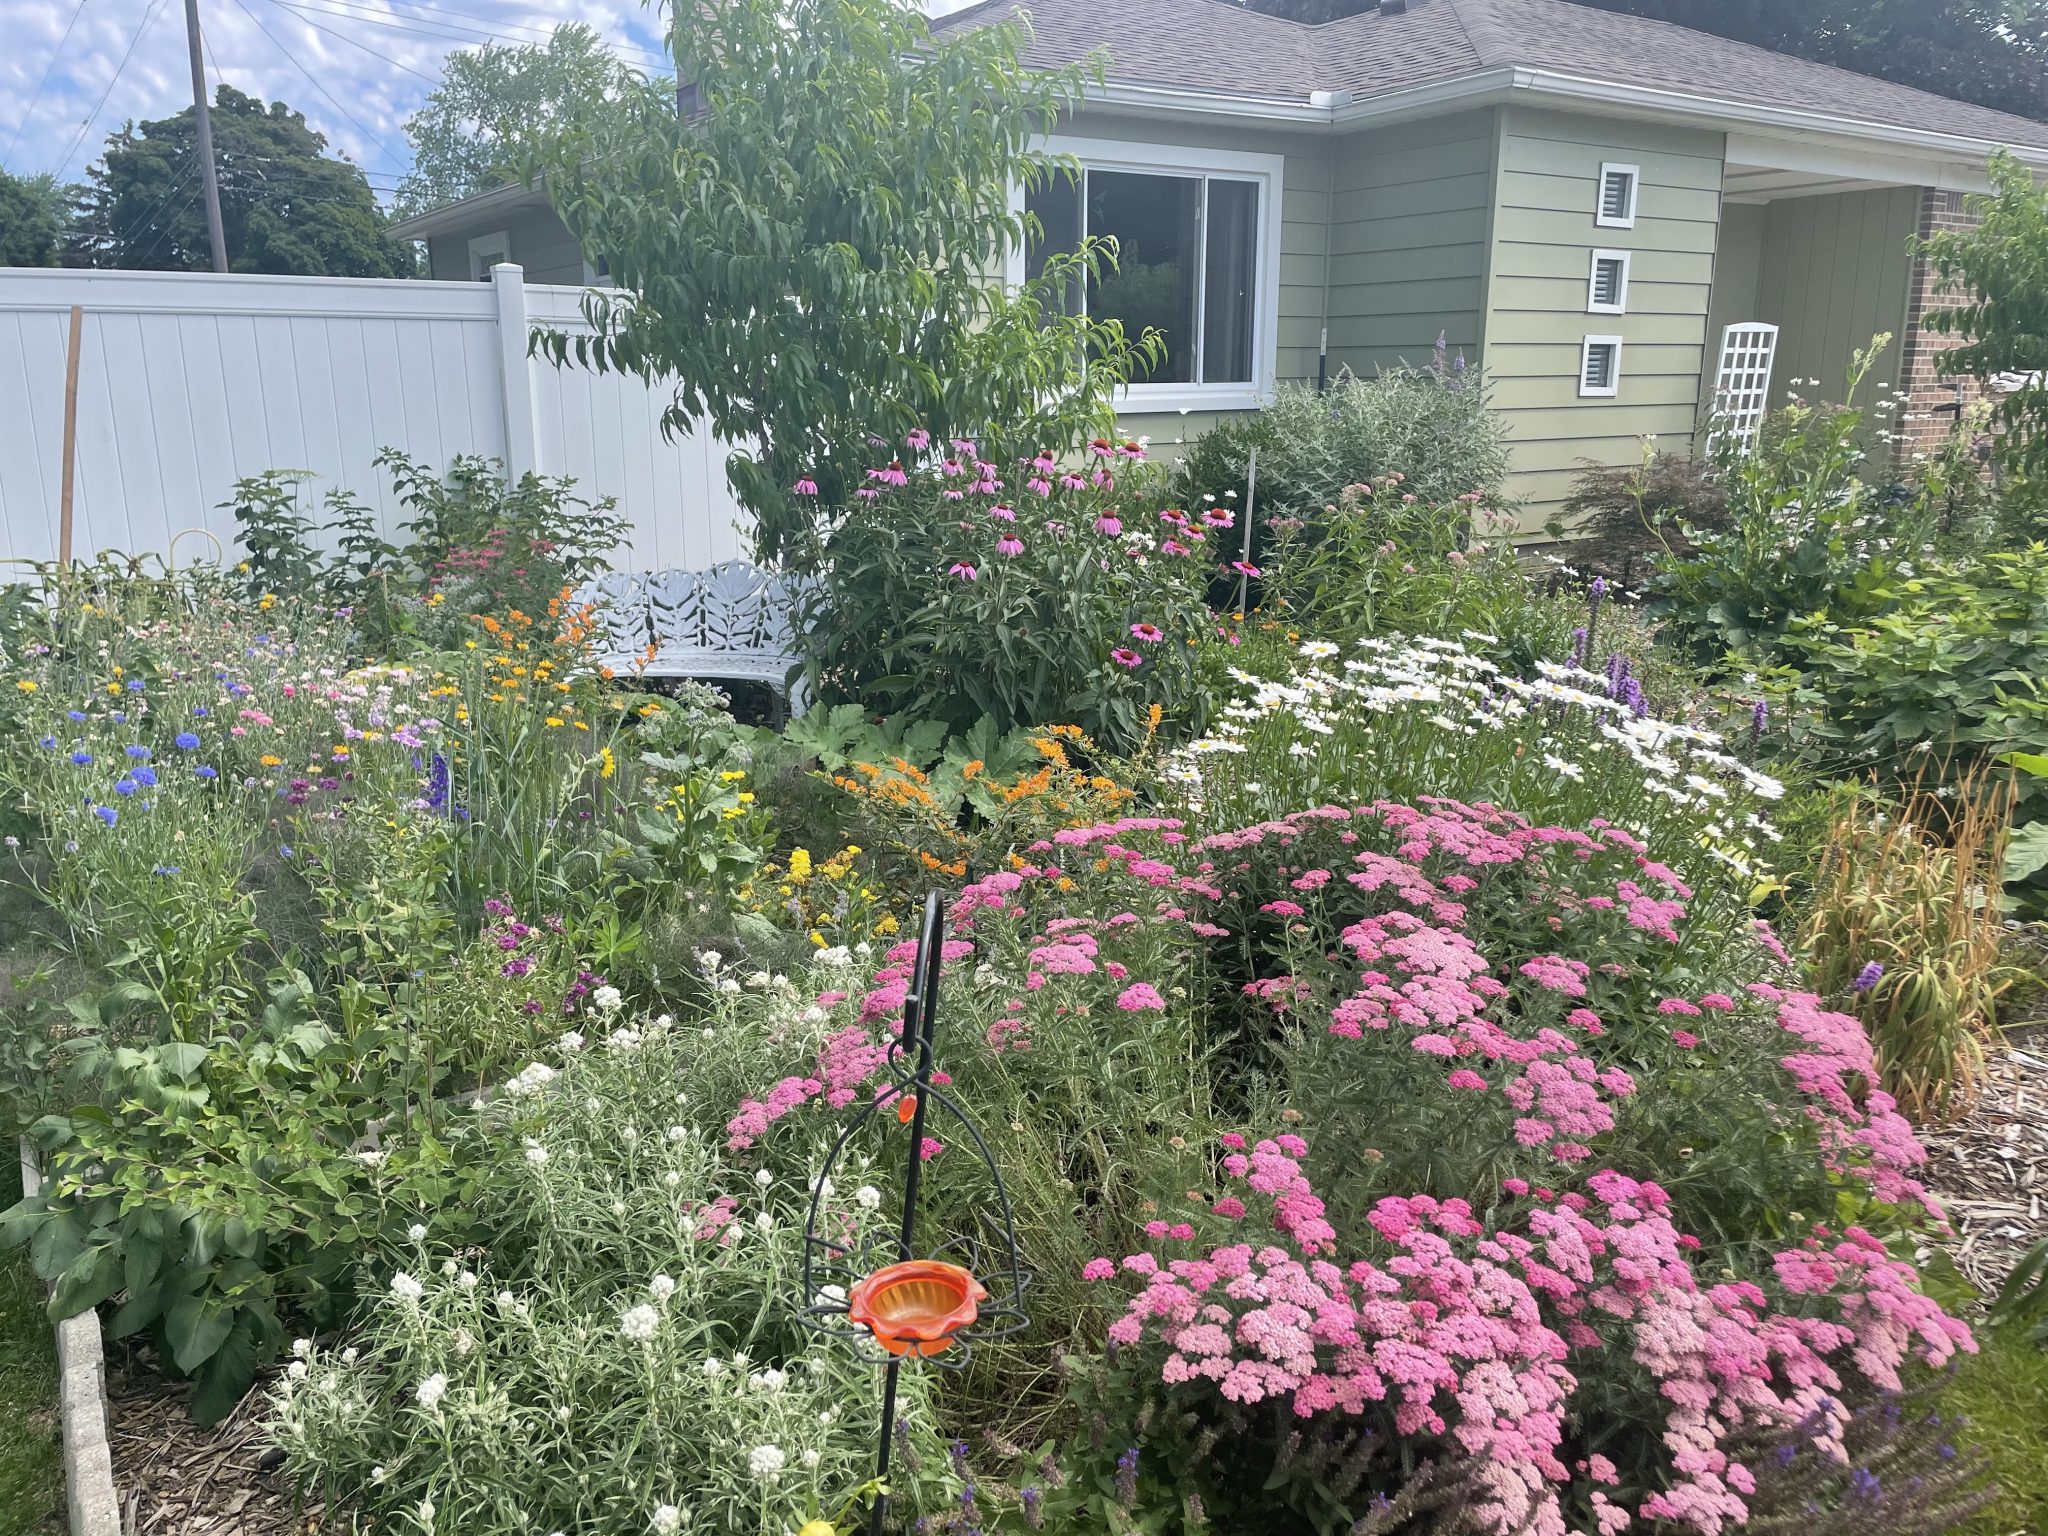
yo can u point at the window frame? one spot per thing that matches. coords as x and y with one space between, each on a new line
1613 386
1635 195
1593 304
486 251
1143 158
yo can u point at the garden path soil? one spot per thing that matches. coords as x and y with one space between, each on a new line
1990 1169
178 1478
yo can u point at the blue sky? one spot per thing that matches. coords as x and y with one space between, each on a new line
265 47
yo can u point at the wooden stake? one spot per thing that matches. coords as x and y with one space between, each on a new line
70 435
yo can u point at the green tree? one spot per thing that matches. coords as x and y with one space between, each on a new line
1992 52
493 103
31 220
2001 266
285 204
809 249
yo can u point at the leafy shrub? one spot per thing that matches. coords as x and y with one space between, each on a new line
945 593
1378 559
1625 514
1804 535
1948 675
1431 426
1905 924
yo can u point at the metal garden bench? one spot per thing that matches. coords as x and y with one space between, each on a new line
728 624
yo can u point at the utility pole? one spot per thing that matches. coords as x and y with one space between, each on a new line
209 172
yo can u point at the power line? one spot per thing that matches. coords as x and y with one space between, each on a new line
48 69
148 16
191 166
301 68
300 12
448 31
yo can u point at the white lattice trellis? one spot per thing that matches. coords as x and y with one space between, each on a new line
1742 384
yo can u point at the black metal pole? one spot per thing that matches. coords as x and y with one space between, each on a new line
920 1010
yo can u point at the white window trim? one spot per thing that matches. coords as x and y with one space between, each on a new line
1635 194
1180 159
1586 391
486 251
1593 304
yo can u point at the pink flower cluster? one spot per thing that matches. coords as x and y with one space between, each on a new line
1479 1338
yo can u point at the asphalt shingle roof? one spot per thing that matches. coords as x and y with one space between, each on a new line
1217 46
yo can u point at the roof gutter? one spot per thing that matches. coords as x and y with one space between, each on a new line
1489 86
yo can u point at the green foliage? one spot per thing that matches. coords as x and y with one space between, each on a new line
1380 560
844 180
602 1190
1999 270
286 207
1804 535
1430 426
1999 1393
1946 673
1625 514
921 608
496 102
2023 1300
31 1463
31 220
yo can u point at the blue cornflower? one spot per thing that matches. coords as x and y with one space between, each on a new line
137 751
167 869
284 850
49 743
205 772
81 758
74 714
119 716
1863 1482
107 814
144 776
187 742
135 685
200 710
125 787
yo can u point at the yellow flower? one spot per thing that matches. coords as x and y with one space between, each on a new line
849 850
746 797
888 924
554 720
340 750
271 760
581 725
469 644
607 765
437 599
799 864
817 1528
732 775
26 686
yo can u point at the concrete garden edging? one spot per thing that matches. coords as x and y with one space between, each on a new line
95 1507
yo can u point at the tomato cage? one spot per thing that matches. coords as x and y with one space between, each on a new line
878 1295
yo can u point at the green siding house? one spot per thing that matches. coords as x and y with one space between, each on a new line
1628 226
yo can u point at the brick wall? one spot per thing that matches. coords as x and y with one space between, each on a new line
1930 411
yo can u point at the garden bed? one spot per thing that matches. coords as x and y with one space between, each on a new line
1990 1169
178 1478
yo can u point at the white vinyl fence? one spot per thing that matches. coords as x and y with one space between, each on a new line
190 381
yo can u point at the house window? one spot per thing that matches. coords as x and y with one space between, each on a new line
1617 209
1607 290
485 252
1197 237
1600 367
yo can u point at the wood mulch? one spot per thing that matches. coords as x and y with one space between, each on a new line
1990 1168
177 1478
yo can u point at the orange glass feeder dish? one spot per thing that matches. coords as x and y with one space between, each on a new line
916 1307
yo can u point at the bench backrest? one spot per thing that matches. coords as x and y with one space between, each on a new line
734 607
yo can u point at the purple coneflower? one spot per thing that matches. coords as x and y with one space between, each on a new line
1123 656
1009 545
963 570
805 486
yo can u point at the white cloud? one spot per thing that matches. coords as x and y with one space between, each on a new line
362 53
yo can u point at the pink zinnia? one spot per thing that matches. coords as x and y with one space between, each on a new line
1146 633
805 486
1141 997
1126 658
963 570
1009 545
